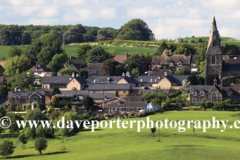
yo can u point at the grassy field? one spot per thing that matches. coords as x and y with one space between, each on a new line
128 144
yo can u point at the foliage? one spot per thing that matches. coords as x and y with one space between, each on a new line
14 51
163 45
103 34
135 72
97 55
11 35
160 95
136 61
75 34
87 102
43 132
68 71
111 67
23 138
22 80
14 127
136 29
35 114
56 91
183 71
6 148
54 101
82 52
40 144
57 62
116 94
17 65
3 112
185 83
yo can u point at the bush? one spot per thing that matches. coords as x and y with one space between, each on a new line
6 148
131 115
40 144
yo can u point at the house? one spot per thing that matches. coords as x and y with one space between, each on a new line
23 98
175 62
3 79
160 73
122 89
74 62
148 82
64 82
100 97
94 69
120 58
122 105
172 81
104 79
39 71
231 92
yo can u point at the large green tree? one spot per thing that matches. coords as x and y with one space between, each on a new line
23 80
135 61
57 62
17 65
14 51
87 102
136 29
40 144
111 67
82 52
97 55
6 148
75 34
11 35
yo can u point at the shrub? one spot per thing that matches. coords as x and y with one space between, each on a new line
6 148
40 144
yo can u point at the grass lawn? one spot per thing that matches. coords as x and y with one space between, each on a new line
129 144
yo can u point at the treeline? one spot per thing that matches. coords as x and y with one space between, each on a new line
135 29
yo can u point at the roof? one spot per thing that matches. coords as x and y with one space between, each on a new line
74 60
229 70
101 95
231 59
39 68
141 104
76 92
94 65
3 79
235 89
148 79
110 86
200 88
104 79
81 80
120 58
56 80
176 78
24 93
165 59
160 73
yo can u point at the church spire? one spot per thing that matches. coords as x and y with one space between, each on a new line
214 38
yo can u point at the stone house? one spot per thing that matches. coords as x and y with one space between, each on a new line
39 71
22 98
94 69
172 81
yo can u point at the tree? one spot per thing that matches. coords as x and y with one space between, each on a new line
111 67
135 72
23 80
136 61
136 29
2 111
68 71
14 51
97 55
11 35
75 34
56 91
40 144
103 35
17 65
35 114
161 48
23 139
14 127
116 94
82 52
26 38
54 101
57 62
87 102
6 148
183 71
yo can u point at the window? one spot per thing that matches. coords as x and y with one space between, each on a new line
17 99
113 109
179 63
132 109
229 93
194 93
194 100
202 93
34 99
214 97
170 64
213 60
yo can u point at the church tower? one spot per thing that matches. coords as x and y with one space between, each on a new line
213 53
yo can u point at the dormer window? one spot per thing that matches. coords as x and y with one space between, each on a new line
229 93
17 99
170 64
194 93
202 93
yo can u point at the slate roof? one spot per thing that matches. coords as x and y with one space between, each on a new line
94 65
24 93
104 79
81 80
235 89
205 88
39 68
148 79
231 70
176 78
101 95
110 86
56 80
128 104
165 59
231 59
76 92
74 60
3 79
160 73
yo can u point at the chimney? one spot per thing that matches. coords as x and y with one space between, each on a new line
126 55
214 82
73 75
123 74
